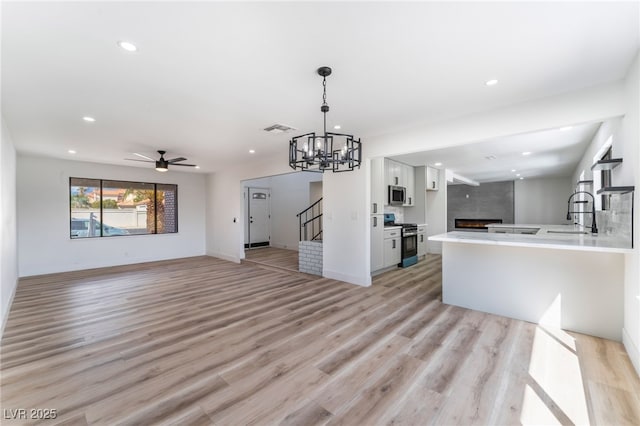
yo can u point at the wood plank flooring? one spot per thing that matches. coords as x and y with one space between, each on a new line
204 341
273 256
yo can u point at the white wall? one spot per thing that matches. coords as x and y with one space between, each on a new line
630 175
346 238
315 191
44 245
8 226
542 201
289 196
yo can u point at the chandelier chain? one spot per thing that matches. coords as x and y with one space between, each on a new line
324 90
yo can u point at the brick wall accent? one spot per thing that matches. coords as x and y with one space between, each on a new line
310 257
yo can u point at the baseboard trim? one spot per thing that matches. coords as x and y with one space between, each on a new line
351 279
632 350
285 246
224 256
99 265
5 315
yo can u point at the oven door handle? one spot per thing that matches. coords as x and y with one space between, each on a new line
409 234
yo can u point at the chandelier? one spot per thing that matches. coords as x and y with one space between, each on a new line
337 152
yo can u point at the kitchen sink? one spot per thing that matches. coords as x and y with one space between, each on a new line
566 232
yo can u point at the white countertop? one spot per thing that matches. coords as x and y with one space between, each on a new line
542 239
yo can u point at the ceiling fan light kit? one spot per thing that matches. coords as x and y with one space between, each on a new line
337 152
162 165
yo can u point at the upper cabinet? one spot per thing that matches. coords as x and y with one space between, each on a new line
392 172
399 174
408 178
433 179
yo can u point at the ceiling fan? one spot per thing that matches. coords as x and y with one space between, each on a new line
162 165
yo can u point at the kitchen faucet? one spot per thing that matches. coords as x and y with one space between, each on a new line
594 228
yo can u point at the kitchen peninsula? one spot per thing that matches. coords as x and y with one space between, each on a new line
557 275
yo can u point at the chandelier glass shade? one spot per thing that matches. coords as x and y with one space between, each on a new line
314 152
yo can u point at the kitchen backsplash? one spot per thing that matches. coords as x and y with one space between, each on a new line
398 211
617 220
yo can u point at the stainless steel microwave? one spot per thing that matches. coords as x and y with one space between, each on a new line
397 195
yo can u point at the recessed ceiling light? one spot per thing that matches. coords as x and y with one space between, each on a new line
521 178
71 151
526 153
129 47
517 174
492 82
438 164
565 129
252 151
513 170
337 127
89 119
197 167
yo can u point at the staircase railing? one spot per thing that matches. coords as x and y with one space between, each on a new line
310 222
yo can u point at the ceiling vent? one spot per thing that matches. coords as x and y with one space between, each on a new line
490 157
279 128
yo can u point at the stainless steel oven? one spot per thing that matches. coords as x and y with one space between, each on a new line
409 247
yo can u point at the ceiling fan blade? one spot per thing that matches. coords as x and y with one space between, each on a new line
174 160
182 164
143 156
142 161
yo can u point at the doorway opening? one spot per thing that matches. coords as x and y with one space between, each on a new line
257 221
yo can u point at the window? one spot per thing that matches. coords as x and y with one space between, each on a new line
106 208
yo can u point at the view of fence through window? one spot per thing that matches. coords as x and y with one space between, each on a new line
105 208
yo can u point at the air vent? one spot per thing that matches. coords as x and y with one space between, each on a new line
278 128
490 157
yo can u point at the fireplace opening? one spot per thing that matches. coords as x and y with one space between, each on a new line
475 224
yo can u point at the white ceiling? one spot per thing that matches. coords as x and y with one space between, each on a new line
208 77
552 153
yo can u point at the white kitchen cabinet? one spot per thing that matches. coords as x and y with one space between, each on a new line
378 188
393 173
433 179
408 180
391 246
377 242
422 240
392 255
399 174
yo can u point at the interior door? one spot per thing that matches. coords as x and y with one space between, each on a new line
258 218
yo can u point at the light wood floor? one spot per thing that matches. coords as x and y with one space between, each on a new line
272 256
205 341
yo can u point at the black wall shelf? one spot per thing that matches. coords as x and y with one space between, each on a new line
606 164
615 190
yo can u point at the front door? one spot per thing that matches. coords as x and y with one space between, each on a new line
258 219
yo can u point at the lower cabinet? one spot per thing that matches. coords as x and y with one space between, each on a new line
422 244
392 251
